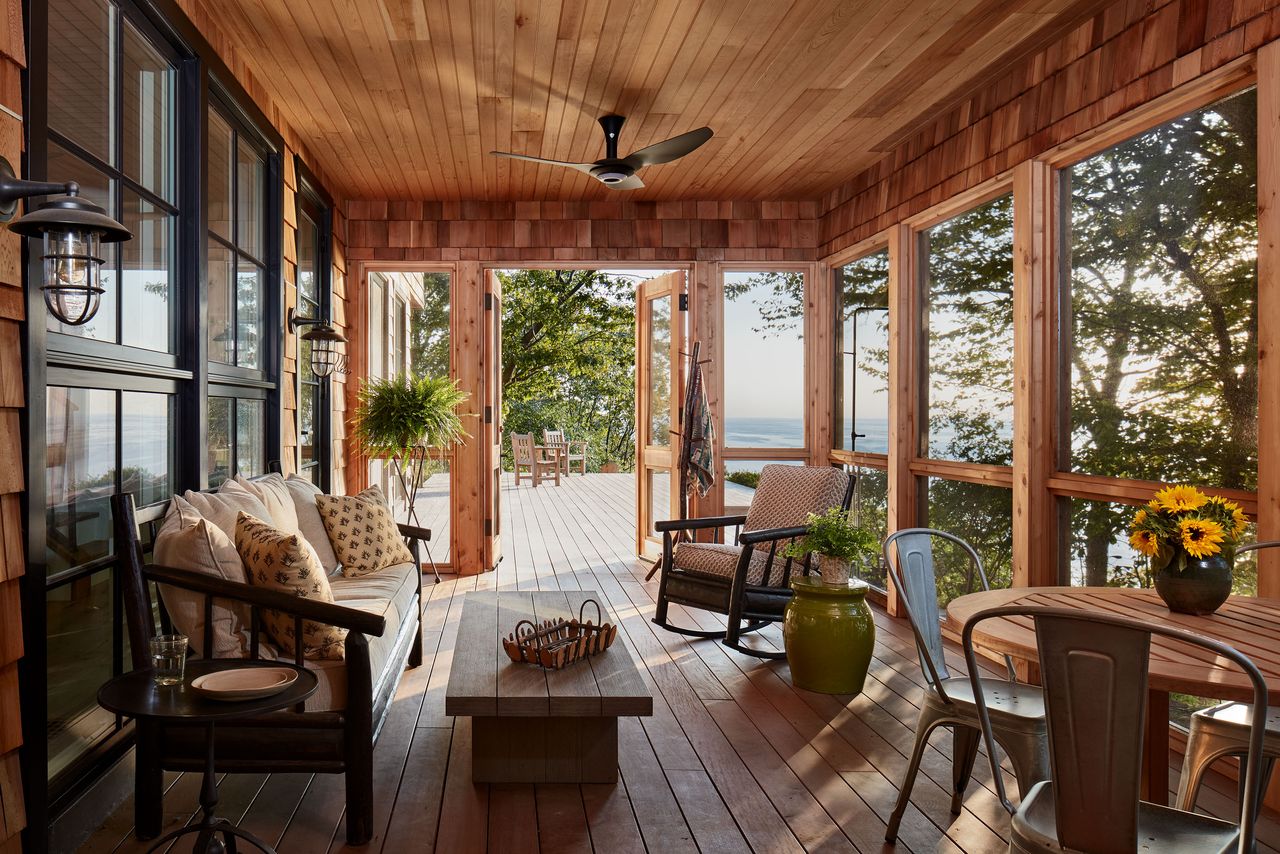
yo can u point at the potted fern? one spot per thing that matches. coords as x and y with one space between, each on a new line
836 542
404 419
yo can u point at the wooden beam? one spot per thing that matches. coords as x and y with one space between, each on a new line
1268 511
469 484
904 372
1035 546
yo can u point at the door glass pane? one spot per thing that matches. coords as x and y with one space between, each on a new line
982 516
97 188
80 618
429 328
250 427
145 450
968 282
218 199
764 359
377 321
147 292
871 511
80 474
863 409
659 497
308 295
82 78
251 172
308 397
660 371
221 431
148 115
433 508
1163 314
248 314
222 338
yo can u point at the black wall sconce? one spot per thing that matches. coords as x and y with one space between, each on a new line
326 357
73 228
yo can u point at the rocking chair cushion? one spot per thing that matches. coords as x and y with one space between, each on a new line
786 495
720 560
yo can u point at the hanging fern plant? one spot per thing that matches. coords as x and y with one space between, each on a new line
397 416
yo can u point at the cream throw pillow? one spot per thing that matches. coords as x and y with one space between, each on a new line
188 541
363 533
310 525
280 561
275 496
223 507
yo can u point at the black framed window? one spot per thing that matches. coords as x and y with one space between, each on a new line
315 296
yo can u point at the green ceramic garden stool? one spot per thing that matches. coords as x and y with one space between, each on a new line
829 634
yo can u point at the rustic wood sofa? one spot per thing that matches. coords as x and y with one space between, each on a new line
334 735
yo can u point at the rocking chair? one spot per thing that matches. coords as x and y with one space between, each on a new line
748 580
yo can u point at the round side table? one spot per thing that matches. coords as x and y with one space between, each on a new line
829 634
136 695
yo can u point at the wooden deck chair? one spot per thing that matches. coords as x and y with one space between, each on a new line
570 451
542 461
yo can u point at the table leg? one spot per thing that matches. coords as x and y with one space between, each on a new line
1155 749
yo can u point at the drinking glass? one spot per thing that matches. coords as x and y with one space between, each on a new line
169 658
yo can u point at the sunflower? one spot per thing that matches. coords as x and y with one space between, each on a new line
1145 542
1177 499
1137 520
1239 521
1201 537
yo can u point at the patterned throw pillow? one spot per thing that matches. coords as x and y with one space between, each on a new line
279 561
363 533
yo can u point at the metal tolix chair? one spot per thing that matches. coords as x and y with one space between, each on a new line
1222 731
949 701
1090 804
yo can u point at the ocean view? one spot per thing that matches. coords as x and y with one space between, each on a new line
789 433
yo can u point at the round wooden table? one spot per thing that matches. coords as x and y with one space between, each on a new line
1250 625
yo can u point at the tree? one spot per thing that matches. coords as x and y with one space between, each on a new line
568 359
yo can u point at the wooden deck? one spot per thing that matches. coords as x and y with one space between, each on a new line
733 759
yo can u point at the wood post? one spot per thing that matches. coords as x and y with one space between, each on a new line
904 397
1268 516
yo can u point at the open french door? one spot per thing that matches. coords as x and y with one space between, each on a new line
660 341
491 422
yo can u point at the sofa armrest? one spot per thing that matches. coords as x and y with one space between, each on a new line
327 613
413 532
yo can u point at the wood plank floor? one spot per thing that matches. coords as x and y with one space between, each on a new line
733 759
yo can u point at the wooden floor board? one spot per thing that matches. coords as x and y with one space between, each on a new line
733 759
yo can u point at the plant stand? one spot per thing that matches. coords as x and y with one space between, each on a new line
411 477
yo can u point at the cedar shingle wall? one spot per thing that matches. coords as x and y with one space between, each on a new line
1134 51
12 397
582 232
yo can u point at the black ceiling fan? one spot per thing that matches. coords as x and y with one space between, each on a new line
620 172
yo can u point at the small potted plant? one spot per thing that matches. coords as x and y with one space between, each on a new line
836 542
1190 540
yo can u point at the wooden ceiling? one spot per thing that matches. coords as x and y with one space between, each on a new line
402 99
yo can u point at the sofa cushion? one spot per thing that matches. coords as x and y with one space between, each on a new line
310 525
388 592
274 494
221 508
363 533
280 561
188 541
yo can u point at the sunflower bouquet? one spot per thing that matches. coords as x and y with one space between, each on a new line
1182 518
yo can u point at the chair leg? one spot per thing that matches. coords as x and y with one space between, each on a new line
963 753
148 781
924 727
1028 752
1268 766
1203 749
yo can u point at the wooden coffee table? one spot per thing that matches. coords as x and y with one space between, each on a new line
531 725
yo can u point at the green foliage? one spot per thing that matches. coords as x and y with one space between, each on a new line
833 534
749 479
429 338
568 360
394 416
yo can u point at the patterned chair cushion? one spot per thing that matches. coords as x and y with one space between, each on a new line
721 560
363 533
786 495
279 561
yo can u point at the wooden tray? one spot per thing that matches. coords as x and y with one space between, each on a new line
555 644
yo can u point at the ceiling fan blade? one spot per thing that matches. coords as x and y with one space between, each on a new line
631 183
668 149
581 167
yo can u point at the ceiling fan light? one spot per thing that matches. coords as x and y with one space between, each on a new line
612 176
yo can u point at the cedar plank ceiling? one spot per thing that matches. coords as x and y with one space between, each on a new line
402 99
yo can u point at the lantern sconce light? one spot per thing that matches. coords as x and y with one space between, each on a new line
326 358
72 228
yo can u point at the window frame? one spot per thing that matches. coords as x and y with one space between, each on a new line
312 201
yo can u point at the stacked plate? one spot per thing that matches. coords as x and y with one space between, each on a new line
244 683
